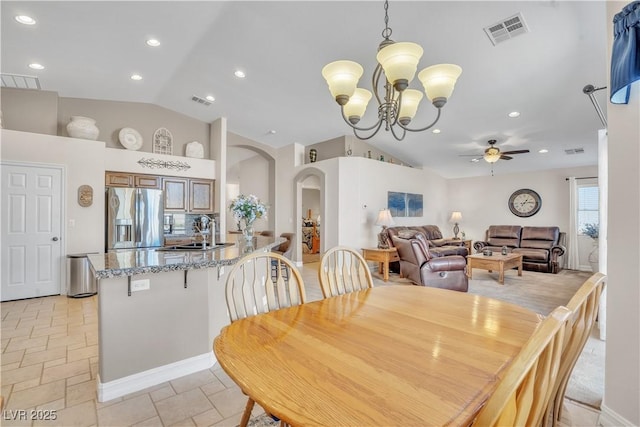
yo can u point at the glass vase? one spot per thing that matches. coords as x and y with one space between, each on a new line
247 233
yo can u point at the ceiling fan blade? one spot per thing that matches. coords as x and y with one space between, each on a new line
516 152
503 157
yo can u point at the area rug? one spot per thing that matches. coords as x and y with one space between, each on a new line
542 292
262 421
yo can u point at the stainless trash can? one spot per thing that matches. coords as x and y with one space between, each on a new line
80 280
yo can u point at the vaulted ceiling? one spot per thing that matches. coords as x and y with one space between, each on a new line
90 49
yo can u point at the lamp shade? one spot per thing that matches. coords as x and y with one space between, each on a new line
342 77
455 217
357 103
492 154
384 218
400 60
439 80
410 100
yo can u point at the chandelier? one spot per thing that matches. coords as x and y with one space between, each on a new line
397 104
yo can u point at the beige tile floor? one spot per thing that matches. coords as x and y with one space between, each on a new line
49 365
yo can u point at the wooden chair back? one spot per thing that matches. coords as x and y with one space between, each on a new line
262 282
523 393
343 270
584 312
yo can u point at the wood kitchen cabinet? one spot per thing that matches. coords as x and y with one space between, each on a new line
175 194
201 196
123 179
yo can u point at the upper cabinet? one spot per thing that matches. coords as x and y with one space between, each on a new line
201 195
123 179
188 195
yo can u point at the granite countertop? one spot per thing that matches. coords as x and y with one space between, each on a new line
141 261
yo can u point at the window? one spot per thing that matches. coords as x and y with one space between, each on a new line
588 204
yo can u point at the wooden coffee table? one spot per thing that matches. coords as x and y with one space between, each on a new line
496 262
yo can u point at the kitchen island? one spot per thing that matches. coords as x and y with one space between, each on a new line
159 311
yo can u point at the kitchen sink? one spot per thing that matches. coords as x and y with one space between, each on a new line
193 247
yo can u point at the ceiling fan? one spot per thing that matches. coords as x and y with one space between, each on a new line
492 154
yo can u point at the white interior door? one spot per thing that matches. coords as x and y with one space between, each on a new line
30 212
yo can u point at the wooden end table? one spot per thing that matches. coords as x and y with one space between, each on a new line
496 262
383 257
467 243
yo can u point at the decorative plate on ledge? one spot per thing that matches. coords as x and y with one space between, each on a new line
162 141
130 139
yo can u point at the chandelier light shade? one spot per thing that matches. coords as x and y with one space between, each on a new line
439 80
355 108
397 104
400 63
342 78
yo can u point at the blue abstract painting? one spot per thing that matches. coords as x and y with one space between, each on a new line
396 202
404 204
414 204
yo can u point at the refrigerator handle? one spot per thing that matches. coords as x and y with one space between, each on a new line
137 223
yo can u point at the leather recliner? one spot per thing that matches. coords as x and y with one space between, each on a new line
419 266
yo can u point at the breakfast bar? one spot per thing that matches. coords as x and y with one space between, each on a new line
159 311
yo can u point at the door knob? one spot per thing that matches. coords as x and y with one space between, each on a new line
55 239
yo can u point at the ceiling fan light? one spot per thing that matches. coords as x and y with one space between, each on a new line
410 100
342 77
357 104
439 80
400 62
491 155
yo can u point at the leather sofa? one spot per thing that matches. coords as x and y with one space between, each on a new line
422 268
541 247
438 246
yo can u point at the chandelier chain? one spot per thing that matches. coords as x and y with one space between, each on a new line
386 33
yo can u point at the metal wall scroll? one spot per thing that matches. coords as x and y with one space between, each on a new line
163 164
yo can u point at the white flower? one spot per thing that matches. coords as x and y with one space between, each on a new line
247 208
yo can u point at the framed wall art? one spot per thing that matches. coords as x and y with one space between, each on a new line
162 141
405 204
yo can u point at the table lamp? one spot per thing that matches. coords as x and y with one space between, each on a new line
456 217
385 220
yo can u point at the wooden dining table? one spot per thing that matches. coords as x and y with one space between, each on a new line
395 355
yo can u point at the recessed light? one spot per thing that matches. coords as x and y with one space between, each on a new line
272 131
136 77
514 114
26 20
153 42
210 98
475 160
239 74
36 66
542 151
436 131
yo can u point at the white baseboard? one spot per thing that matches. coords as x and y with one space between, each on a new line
609 418
142 380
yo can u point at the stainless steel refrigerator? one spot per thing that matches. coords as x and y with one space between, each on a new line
134 218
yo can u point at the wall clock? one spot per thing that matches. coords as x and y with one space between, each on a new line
525 203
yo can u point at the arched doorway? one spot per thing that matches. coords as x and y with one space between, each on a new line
310 214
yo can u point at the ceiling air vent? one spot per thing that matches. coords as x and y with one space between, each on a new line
18 81
199 100
574 151
506 29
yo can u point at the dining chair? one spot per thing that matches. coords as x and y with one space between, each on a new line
584 312
251 289
343 270
524 390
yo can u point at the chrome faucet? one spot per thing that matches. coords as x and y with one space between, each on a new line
204 229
